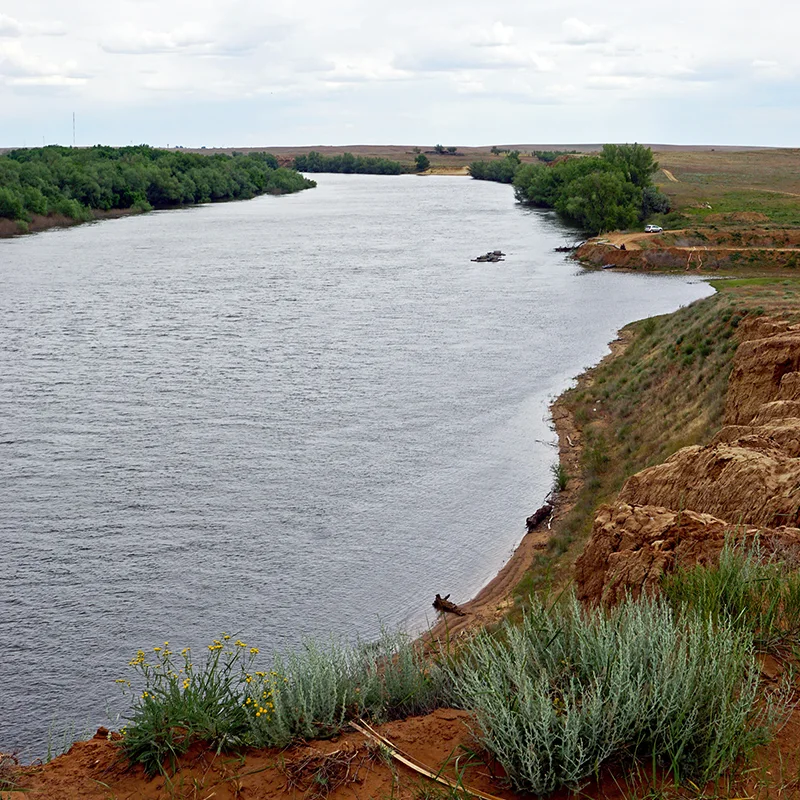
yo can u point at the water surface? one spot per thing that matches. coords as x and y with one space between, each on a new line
283 417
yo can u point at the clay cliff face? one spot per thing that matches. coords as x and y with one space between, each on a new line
745 482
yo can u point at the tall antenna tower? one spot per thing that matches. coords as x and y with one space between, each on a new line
73 129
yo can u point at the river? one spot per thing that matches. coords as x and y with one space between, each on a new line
285 417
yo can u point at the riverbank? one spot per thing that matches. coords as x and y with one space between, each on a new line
663 387
10 228
498 598
703 251
44 187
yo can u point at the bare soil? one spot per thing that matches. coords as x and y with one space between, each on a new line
748 251
353 766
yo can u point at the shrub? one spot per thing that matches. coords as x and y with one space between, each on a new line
568 690
648 326
11 205
654 201
181 704
560 477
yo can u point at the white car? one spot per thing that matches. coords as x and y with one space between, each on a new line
653 229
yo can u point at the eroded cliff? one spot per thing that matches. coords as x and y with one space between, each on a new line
744 483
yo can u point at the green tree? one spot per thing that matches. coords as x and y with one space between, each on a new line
635 161
60 180
422 162
600 201
654 202
11 205
500 171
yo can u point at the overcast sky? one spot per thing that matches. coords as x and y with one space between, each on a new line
250 72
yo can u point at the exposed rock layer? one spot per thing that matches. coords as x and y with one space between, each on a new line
745 482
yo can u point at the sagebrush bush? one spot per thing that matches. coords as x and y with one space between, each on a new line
325 687
568 690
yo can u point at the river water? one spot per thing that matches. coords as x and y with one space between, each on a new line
282 418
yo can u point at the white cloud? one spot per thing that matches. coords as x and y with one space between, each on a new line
21 68
495 36
46 80
45 27
455 70
137 42
578 32
612 81
366 69
9 26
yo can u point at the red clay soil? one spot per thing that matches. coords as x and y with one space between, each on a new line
351 766
697 250
744 482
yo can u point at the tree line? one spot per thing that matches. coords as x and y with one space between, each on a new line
349 164
606 192
75 182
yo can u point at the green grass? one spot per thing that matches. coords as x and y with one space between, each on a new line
560 477
758 596
781 209
735 283
9 772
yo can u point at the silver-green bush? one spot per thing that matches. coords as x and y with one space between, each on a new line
318 689
569 690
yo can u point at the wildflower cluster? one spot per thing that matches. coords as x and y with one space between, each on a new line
223 700
178 700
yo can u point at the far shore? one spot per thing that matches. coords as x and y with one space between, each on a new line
10 228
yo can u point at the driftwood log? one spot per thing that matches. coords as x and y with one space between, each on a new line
539 516
444 605
493 256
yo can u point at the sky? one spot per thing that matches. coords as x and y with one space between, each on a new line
474 72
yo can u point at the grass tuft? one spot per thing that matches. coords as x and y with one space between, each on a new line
758 596
560 477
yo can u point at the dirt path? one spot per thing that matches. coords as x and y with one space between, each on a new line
632 242
439 169
670 176
774 191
